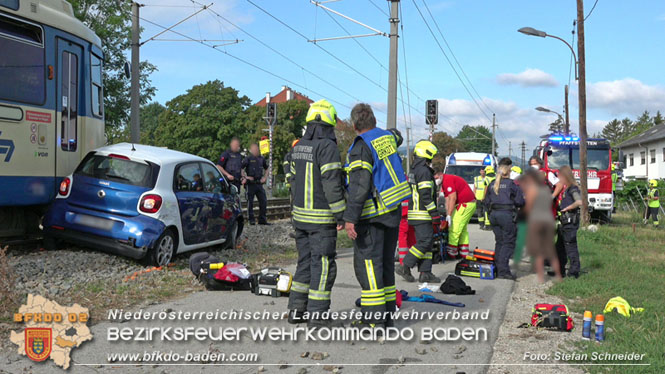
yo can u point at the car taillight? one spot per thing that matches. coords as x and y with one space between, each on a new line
64 186
150 203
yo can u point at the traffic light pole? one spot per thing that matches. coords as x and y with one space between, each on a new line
392 67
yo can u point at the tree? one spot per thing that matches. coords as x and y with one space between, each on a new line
613 131
658 119
111 21
556 127
345 135
642 123
476 138
203 121
446 145
149 119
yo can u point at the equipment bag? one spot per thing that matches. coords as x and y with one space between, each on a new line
205 268
552 316
475 269
483 255
273 281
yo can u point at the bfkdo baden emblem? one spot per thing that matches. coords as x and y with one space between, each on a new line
38 343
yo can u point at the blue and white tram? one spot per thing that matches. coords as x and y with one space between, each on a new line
51 105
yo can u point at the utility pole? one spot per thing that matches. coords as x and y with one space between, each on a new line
392 67
493 134
523 145
582 109
135 131
271 119
566 125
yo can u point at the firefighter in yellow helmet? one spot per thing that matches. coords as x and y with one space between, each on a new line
614 186
422 215
318 208
490 176
653 203
479 192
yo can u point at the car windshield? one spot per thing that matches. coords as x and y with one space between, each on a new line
117 169
597 159
468 172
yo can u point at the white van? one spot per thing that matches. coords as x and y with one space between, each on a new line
468 164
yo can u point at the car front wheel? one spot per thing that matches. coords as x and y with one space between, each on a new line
232 237
164 249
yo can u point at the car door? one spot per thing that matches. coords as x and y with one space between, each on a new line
219 214
193 202
68 105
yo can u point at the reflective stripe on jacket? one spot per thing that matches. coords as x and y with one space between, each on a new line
422 206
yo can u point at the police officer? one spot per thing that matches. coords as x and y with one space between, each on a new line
423 214
255 170
503 199
376 187
318 206
286 165
569 203
230 163
479 191
490 176
653 203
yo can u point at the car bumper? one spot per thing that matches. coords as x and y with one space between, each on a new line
126 236
602 201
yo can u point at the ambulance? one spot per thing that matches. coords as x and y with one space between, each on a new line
468 164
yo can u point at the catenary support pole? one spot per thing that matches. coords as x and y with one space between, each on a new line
493 134
566 125
392 67
135 131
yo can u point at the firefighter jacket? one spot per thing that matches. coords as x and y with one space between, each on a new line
376 181
317 184
654 198
286 165
422 207
479 184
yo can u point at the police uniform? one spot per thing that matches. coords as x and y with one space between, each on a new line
318 206
653 204
566 244
502 209
422 212
255 166
376 187
232 163
479 184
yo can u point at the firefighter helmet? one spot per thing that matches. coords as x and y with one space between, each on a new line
489 169
653 183
516 169
294 143
613 167
425 149
322 111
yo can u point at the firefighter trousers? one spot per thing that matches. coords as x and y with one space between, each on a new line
566 249
316 269
480 213
374 266
421 253
458 233
653 213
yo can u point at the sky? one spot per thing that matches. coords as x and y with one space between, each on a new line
507 73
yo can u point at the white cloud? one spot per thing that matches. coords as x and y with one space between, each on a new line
528 78
625 96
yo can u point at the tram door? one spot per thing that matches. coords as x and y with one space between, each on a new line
68 106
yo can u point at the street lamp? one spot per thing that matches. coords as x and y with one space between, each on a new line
545 110
534 32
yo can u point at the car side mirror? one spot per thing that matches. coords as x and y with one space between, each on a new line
225 185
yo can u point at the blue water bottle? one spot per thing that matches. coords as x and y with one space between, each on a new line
600 328
586 325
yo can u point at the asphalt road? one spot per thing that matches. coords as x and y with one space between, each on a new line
377 357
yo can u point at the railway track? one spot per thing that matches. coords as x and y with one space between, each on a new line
278 208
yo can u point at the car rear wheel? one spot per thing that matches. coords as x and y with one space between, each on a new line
164 249
232 237
51 244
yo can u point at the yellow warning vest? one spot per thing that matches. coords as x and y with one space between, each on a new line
479 183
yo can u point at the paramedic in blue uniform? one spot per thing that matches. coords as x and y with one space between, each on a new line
230 163
377 186
255 170
502 200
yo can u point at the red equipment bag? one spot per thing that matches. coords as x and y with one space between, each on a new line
484 255
553 316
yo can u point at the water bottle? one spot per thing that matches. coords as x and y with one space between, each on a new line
600 328
586 326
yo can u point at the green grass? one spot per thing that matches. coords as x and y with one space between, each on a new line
630 264
343 240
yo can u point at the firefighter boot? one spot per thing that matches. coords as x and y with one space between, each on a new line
427 276
405 273
296 316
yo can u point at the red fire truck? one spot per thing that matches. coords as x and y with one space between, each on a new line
559 150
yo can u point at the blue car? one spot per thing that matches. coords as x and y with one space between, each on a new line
144 202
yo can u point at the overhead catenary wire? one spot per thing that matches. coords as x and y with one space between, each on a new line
591 11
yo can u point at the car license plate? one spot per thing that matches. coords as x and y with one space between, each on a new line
90 221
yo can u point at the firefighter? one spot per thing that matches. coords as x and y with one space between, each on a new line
503 199
423 214
318 207
569 203
653 203
286 165
615 176
255 171
515 172
490 176
230 163
479 191
376 187
460 205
